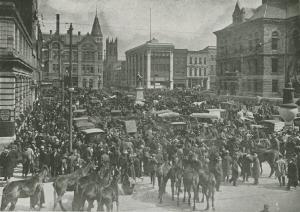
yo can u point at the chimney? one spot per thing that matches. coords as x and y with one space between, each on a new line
57 24
50 32
79 33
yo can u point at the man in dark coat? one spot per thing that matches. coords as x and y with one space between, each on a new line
226 163
6 164
256 169
292 174
55 162
235 171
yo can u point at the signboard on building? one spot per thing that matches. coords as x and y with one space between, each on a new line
4 115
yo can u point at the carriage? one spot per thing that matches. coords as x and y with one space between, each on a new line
93 135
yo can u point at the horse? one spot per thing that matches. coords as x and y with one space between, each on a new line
208 183
31 188
270 156
96 176
165 172
191 181
110 193
62 182
91 190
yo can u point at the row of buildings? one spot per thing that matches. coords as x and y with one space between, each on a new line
20 61
160 64
255 56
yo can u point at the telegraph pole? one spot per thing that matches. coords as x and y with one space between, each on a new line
71 89
59 61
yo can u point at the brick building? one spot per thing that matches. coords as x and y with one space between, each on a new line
20 54
259 50
154 62
87 57
201 66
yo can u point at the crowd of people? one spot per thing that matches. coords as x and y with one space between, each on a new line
230 147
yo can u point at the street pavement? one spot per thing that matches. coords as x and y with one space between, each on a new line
243 198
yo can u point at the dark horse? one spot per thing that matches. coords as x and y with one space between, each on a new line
62 182
165 172
270 156
31 188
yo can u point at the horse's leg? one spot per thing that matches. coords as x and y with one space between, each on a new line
13 204
261 169
189 193
207 200
271 164
4 203
213 198
195 197
184 193
172 187
59 199
90 205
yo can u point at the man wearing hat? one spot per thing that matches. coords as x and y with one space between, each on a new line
292 173
255 169
226 162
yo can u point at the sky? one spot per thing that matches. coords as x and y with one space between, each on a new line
187 24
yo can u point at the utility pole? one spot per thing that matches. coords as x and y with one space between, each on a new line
71 89
59 61
150 25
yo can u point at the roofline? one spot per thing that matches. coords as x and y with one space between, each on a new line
149 44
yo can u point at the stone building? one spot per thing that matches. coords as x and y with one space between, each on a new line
87 57
154 62
257 52
20 54
201 66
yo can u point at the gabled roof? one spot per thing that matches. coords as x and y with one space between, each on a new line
96 30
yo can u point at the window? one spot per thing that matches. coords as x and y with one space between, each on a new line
275 86
204 60
84 83
200 71
196 60
88 56
91 83
275 38
55 68
211 68
204 71
191 60
274 65
200 60
191 70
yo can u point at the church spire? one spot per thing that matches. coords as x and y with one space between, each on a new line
96 30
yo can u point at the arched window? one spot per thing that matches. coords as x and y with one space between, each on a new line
91 83
84 83
275 39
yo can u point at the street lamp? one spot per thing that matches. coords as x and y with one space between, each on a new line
288 109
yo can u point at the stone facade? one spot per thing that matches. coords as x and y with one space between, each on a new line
257 53
87 58
201 66
19 62
154 62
